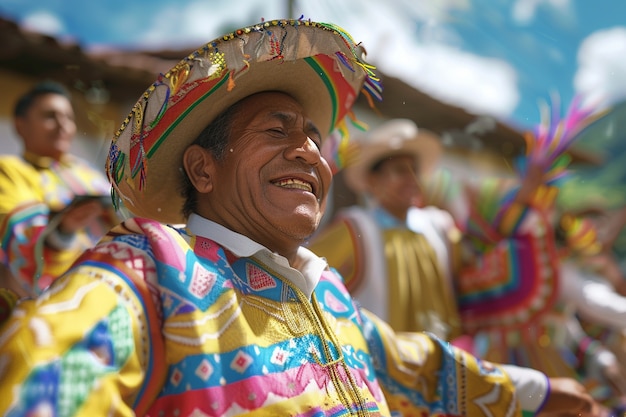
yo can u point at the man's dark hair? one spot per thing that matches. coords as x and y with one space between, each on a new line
214 138
26 100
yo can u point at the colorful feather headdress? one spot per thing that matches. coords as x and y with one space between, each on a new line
546 146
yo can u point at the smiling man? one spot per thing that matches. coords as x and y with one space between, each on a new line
272 172
231 315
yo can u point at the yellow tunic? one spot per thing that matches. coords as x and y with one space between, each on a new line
32 190
417 294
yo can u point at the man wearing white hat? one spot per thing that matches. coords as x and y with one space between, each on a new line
395 255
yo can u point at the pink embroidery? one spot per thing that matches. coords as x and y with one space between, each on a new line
132 257
202 281
259 279
241 362
334 303
206 248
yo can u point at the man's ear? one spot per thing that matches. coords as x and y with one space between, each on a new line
199 165
18 125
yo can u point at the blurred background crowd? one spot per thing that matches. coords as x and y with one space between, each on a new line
473 71
484 77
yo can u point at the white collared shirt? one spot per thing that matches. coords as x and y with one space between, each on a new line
305 277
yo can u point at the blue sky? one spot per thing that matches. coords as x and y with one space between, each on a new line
493 57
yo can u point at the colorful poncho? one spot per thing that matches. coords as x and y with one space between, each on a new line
161 322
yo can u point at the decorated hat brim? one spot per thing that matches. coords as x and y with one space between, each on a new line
312 63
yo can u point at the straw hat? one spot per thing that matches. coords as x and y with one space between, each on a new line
394 137
317 64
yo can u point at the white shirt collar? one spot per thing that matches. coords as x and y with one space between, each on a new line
305 277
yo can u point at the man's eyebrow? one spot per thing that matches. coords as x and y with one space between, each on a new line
289 117
311 127
283 116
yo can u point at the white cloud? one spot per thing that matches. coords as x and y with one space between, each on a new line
524 10
43 22
601 74
424 57
197 22
480 85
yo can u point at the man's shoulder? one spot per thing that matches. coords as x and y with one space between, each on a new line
13 161
10 158
150 228
17 170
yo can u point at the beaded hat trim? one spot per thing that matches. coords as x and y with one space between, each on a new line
317 63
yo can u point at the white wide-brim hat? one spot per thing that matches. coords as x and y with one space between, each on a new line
394 137
315 63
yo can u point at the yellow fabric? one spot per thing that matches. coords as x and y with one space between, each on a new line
420 298
342 250
45 329
418 373
413 360
32 190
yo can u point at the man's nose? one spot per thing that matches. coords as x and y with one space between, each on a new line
65 123
306 150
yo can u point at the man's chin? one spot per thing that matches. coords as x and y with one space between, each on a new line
63 146
304 230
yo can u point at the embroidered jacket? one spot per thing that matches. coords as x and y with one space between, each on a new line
160 322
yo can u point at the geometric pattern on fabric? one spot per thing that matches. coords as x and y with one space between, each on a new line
258 279
72 378
247 352
202 281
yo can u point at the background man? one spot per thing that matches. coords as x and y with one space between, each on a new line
52 204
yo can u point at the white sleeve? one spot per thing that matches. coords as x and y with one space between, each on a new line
594 299
532 387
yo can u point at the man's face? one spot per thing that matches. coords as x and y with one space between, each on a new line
272 183
48 127
395 185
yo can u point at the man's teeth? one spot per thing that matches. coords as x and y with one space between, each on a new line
296 184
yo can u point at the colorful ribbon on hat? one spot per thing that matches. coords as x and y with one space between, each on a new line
337 148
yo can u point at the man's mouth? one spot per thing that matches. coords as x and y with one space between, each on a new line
294 183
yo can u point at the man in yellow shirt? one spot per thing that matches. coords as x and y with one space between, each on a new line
53 205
